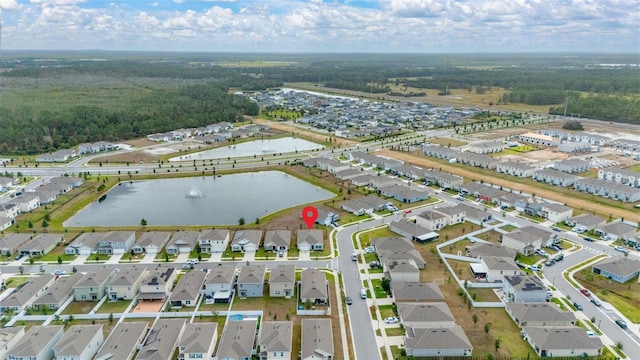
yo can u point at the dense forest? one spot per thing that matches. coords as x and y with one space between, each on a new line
50 101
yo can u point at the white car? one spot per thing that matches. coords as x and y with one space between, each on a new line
619 248
591 334
59 272
391 320
193 261
369 250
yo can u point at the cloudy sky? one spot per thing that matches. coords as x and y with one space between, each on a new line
416 26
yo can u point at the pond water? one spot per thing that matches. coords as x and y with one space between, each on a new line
255 147
206 200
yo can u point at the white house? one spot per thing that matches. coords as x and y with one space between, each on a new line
214 240
80 342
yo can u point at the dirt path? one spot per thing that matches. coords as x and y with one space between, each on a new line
468 173
310 134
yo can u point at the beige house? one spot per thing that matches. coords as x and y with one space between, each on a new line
93 285
9 336
282 281
316 339
24 296
37 343
123 341
126 283
313 286
79 342
198 341
214 240
275 341
59 292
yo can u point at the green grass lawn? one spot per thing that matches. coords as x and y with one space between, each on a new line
113 306
529 260
508 228
560 303
394 331
386 311
79 307
379 292
162 256
55 254
16 281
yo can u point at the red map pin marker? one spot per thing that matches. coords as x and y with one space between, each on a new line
310 215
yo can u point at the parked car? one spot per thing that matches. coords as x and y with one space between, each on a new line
578 306
585 292
59 272
391 320
354 257
542 252
596 302
591 334
559 257
369 250
621 323
348 300
556 247
375 265
363 293
193 261
280 253
550 262
187 266
619 248
589 239
534 268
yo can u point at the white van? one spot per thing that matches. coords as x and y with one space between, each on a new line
363 293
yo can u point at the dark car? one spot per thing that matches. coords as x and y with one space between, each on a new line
578 306
589 239
621 323
559 257
348 300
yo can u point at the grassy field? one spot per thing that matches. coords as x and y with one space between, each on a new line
447 142
624 297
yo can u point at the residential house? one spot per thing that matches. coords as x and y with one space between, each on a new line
493 268
314 286
486 147
361 180
347 174
57 156
622 176
514 168
587 138
220 282
5 183
275 341
408 171
80 342
571 165
198 341
607 189
116 242
404 194
474 214
617 268
356 207
67 180
151 242
416 292
214 240
437 342
246 240
401 270
412 231
9 336
530 205
9 210
556 212
326 218
84 244
277 240
486 249
523 242
251 281
426 315
524 288
92 148
440 152
538 139
93 285
317 340
188 289
432 220
586 221
282 281
626 144
386 256
482 192
37 343
310 240
569 341
238 340
158 284
23 296
182 242
509 200
5 223
615 230
27 202
454 214
539 314
555 177
574 147
57 294
477 160
162 340
46 197
41 244
442 179
126 283
10 243
123 341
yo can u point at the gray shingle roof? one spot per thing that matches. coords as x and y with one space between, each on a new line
283 274
437 338
556 338
313 284
251 274
76 339
161 340
189 286
317 338
276 336
121 343
622 266
435 311
198 336
35 339
237 340
526 312
416 292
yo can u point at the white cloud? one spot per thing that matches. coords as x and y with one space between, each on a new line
301 25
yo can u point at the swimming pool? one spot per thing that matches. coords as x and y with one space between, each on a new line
236 317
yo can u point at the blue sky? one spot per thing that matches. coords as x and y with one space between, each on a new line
412 26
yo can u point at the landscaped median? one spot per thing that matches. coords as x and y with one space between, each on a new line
568 274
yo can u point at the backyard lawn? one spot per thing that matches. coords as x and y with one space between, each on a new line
109 307
79 307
